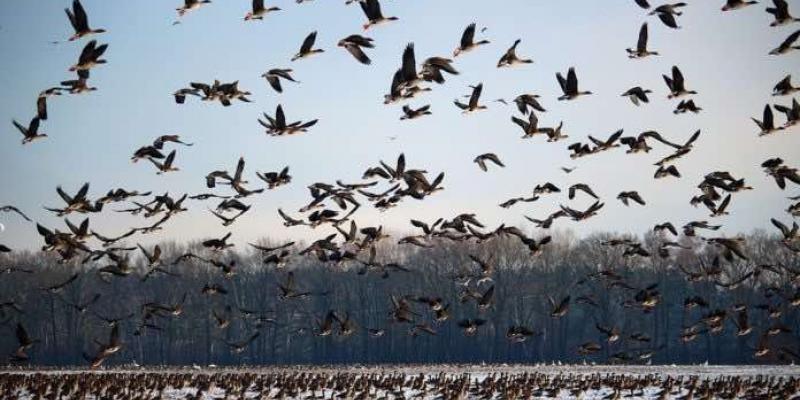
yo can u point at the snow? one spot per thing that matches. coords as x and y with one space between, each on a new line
477 373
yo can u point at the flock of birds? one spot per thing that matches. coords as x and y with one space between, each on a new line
349 385
385 185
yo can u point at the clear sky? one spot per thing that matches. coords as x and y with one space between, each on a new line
722 55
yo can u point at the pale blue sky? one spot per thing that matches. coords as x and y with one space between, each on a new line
722 55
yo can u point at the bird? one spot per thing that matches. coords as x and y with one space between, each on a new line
307 48
24 343
190 5
31 133
630 195
372 10
637 94
158 143
781 13
410 113
787 45
687 106
582 187
354 43
473 105
468 42
784 87
641 45
278 126
166 166
80 21
767 123
676 84
218 244
90 56
526 101
570 85
8 208
510 59
259 11
667 13
275 75
481 160
731 5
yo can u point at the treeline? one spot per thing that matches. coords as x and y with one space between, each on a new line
603 285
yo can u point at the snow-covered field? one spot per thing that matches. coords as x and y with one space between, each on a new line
409 382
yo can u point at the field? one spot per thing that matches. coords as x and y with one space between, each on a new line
407 382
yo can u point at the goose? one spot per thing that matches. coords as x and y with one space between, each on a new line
789 235
372 10
166 166
641 45
510 59
687 106
547 222
228 221
146 152
578 216
667 13
534 246
525 101
630 195
259 11
90 56
529 128
470 326
278 127
432 69
784 87
481 160
554 134
568 170
77 203
354 43
570 85
642 3
218 244
767 124
731 5
30 133
663 172
473 101
41 108
468 41
792 113
781 13
579 150
671 9
241 346
306 49
275 179
637 94
80 85
24 342
190 5
80 21
559 309
410 113
608 144
289 221
7 209
676 84
787 45
158 143
639 143
274 76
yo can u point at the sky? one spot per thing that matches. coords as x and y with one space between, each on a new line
91 137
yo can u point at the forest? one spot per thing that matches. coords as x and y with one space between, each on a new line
697 301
